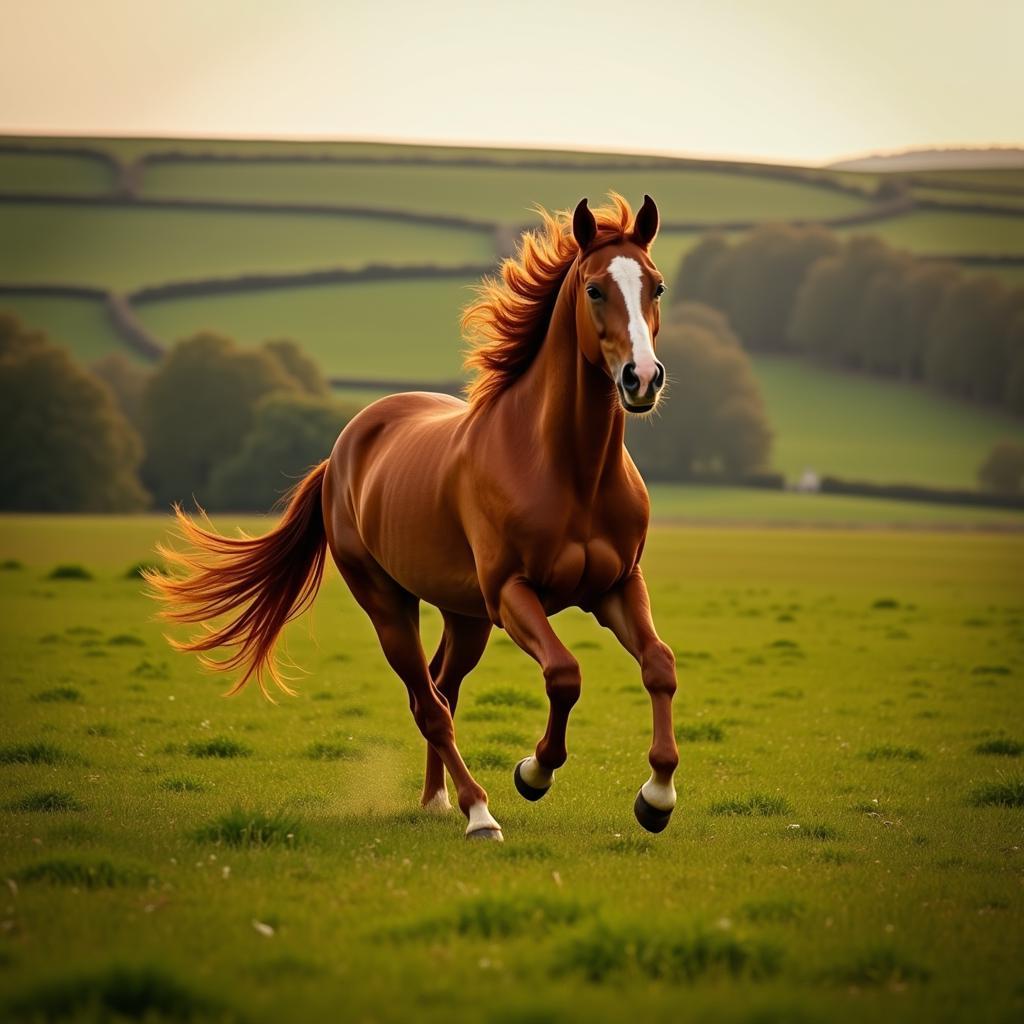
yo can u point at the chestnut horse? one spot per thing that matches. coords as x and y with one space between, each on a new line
500 511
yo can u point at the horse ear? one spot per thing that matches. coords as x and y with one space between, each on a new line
645 227
584 227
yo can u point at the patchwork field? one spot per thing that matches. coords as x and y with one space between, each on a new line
847 843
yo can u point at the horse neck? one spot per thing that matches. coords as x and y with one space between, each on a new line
579 421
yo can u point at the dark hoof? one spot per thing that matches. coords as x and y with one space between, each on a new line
526 791
650 817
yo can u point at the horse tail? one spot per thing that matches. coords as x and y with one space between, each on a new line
261 583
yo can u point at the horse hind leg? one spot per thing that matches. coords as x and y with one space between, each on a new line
460 649
394 613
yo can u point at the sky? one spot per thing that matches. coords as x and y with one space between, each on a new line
804 81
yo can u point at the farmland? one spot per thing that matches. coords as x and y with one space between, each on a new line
356 197
848 839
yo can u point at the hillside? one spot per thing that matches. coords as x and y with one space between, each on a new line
954 159
337 243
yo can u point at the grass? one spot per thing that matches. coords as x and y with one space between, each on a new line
504 194
80 325
125 248
864 428
34 172
940 232
372 905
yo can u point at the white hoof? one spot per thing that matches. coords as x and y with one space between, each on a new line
660 795
438 803
482 825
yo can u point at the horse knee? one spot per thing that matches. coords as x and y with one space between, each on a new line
563 681
435 724
659 669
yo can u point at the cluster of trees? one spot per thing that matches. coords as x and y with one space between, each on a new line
713 420
862 305
232 427
1003 469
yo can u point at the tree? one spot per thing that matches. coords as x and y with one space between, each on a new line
701 272
924 287
290 433
1003 468
127 379
712 418
298 365
64 445
197 408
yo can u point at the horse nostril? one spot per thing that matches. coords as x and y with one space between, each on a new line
659 377
630 381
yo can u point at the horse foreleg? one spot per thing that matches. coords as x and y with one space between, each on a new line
525 620
462 645
626 611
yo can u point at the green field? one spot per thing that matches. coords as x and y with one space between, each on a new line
942 233
502 194
128 248
45 172
858 426
862 686
79 324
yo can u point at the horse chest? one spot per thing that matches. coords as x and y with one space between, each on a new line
580 569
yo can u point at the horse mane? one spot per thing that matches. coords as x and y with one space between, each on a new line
506 323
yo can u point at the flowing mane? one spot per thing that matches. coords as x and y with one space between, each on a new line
506 323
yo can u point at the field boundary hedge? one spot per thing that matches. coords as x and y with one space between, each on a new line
921 492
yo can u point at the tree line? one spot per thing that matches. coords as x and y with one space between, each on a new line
860 304
232 427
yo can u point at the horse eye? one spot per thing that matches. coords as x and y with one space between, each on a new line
593 291
660 290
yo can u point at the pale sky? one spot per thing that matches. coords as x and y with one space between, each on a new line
784 80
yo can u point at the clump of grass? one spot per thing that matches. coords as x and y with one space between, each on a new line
218 746
879 967
352 711
491 758
323 751
891 752
700 732
70 572
788 693
182 784
147 669
785 645
139 570
630 845
483 715
1009 793
33 753
764 804
885 603
66 694
510 698
116 992
102 729
253 829
778 911
499 917
675 957
1002 746
81 874
824 833
991 670
51 801
10 565
126 640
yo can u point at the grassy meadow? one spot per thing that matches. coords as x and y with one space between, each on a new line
847 842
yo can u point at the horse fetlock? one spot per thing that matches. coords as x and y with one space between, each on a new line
659 791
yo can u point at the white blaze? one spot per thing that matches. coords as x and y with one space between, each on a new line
626 273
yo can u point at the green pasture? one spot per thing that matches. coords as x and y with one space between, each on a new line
943 232
499 193
49 172
847 841
950 195
864 427
126 248
389 329
79 324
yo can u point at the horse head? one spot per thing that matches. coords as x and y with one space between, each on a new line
617 317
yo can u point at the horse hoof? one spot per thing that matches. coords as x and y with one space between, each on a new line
486 833
526 791
651 818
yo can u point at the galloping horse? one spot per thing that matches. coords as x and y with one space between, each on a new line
501 510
